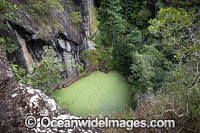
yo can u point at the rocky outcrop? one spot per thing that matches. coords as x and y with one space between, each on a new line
17 101
55 29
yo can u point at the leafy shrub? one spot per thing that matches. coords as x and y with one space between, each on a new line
161 65
111 23
135 36
176 27
92 56
7 10
182 3
141 71
7 13
46 73
79 67
142 17
43 6
149 68
6 45
101 58
76 17
106 59
144 14
18 72
170 21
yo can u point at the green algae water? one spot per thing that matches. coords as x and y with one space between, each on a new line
98 93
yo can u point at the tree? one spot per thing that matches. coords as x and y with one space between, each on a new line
142 71
112 24
7 10
137 12
113 32
179 32
44 75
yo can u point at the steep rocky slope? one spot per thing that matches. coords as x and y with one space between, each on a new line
18 101
49 25
52 26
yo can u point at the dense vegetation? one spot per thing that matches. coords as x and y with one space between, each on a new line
7 10
158 53
155 44
47 72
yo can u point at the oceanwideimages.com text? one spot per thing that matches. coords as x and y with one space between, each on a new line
130 124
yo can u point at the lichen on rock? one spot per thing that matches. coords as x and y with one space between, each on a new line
53 28
18 100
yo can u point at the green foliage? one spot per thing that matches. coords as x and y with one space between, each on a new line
113 30
160 64
76 17
149 68
181 3
142 71
44 75
137 12
170 22
6 45
7 12
43 6
177 28
18 72
183 88
92 56
79 67
135 36
106 59
174 38
56 4
142 17
172 26
159 4
101 58
112 25
121 52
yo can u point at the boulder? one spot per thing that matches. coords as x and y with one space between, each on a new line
17 101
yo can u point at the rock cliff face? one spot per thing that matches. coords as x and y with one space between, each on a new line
17 101
55 29
34 31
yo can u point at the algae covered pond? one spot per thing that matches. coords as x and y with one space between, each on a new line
98 93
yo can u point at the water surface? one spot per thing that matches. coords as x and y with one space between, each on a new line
98 93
